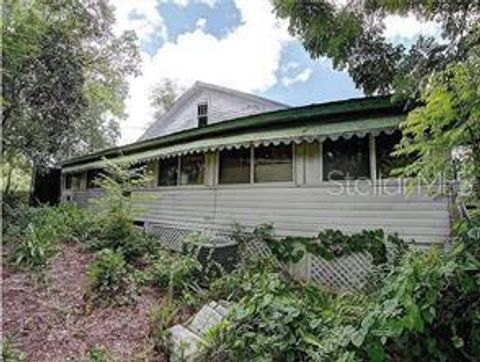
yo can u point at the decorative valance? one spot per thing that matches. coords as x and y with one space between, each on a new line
307 133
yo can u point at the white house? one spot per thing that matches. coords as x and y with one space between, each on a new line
221 156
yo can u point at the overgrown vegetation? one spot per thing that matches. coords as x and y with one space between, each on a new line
328 244
424 306
108 277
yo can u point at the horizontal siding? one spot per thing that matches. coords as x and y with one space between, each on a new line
298 210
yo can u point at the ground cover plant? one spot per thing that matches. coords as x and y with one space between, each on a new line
123 282
424 307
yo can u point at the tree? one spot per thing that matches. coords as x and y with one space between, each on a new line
163 95
437 76
64 78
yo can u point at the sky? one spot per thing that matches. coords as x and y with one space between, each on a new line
234 43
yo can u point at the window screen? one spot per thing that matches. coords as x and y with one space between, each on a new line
346 159
168 171
273 163
68 181
77 181
235 166
202 114
192 169
92 178
386 162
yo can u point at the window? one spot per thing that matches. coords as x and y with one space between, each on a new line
77 181
168 172
92 178
192 169
273 163
386 162
202 114
346 159
234 166
68 181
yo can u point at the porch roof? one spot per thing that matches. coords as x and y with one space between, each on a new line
279 135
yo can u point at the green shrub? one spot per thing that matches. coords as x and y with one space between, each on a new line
161 319
10 353
427 307
108 277
170 270
279 319
34 248
99 354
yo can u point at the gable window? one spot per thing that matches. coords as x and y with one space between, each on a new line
192 169
202 114
346 159
234 166
168 171
273 163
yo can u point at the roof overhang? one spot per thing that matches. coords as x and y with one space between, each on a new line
309 133
308 123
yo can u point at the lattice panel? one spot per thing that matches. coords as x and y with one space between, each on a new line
170 236
345 273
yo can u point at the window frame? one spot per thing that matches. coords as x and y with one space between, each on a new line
371 172
250 165
252 182
178 184
157 173
202 119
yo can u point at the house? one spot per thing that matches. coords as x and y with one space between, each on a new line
220 156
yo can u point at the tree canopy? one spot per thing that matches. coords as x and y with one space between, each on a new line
162 96
64 78
437 76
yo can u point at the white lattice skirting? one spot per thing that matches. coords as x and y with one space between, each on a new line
347 273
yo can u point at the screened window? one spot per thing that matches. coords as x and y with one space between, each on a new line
192 169
92 178
346 159
202 114
273 163
77 181
234 166
68 181
384 147
168 171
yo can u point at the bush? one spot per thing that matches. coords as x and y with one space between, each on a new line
34 232
161 319
426 308
279 319
10 353
34 248
108 277
171 270
99 354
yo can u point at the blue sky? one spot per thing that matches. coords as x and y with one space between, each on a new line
234 43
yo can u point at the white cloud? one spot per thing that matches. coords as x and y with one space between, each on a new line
246 59
409 27
141 16
201 23
303 76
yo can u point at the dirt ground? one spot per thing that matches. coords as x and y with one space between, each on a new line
49 320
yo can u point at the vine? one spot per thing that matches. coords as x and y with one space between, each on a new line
330 244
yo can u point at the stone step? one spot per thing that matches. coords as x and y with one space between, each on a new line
183 343
185 340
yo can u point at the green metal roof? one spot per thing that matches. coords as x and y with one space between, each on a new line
292 124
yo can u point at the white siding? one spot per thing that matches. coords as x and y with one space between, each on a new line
222 106
303 207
